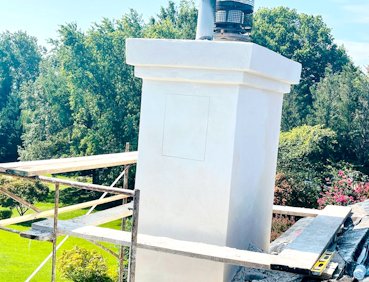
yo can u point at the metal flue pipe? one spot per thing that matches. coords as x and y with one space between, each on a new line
206 20
229 20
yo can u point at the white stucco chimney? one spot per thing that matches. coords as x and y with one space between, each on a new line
209 131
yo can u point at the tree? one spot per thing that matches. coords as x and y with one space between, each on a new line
87 89
46 114
305 39
81 265
174 22
29 191
86 100
341 102
19 60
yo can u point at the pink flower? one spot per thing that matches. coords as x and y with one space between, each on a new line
343 190
341 199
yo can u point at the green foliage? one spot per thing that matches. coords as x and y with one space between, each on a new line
341 102
86 100
70 196
31 253
305 39
82 265
29 191
304 152
306 145
19 60
174 22
4 214
46 114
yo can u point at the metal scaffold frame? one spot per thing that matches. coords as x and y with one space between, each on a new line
298 257
30 170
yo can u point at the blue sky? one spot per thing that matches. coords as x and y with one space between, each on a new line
348 19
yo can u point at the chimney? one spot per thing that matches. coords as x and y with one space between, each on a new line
208 143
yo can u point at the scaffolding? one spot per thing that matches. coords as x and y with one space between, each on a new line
300 256
50 229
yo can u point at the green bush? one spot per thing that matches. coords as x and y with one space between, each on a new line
4 214
29 191
304 153
81 265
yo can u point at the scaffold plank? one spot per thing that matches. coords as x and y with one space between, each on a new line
48 213
92 219
296 211
167 245
306 249
54 166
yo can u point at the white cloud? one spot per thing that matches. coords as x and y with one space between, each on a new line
358 51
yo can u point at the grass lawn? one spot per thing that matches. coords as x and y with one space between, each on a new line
19 257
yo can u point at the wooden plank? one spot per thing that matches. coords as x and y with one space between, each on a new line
33 168
10 230
306 249
37 235
279 244
49 213
93 219
60 160
166 245
294 211
86 186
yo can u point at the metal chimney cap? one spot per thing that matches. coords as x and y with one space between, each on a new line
233 20
248 2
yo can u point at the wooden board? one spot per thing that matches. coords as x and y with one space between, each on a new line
166 245
37 235
43 230
299 256
293 211
306 249
34 168
49 213
93 219
279 244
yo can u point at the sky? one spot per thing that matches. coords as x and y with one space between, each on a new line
348 19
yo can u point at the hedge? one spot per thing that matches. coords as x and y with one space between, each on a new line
4 214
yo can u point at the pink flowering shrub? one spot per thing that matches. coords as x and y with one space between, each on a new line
283 190
346 187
